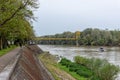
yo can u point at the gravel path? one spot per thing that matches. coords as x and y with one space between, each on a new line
7 58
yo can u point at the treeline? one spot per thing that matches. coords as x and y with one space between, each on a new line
89 37
15 18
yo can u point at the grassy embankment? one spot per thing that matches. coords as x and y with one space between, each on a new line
4 51
58 71
81 69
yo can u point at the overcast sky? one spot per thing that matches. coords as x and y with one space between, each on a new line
57 16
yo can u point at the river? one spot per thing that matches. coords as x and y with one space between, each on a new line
112 54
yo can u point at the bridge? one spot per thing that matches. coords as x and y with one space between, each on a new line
77 35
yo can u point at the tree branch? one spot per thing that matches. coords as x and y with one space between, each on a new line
9 18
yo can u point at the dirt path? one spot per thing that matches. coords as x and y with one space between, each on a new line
6 59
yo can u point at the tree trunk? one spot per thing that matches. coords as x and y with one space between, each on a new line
1 47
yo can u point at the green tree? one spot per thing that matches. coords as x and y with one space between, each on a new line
15 20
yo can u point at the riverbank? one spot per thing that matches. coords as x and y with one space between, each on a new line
81 69
70 52
24 64
51 63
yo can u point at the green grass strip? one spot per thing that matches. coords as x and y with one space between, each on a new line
4 51
73 74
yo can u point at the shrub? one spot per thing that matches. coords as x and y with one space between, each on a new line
94 78
102 69
80 60
108 72
74 69
86 74
95 69
65 62
74 65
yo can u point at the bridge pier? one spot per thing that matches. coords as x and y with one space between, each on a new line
77 34
77 44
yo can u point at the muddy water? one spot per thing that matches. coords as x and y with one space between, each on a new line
112 54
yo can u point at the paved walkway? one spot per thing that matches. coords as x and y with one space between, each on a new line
6 59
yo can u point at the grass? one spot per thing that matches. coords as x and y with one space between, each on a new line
50 63
4 51
76 76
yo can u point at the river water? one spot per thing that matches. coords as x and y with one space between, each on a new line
112 54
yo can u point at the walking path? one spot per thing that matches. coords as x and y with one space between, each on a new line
7 58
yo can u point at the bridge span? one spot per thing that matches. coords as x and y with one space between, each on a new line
77 35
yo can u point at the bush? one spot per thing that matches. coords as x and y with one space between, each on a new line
65 62
94 78
95 69
86 74
74 65
74 69
102 69
108 72
80 60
